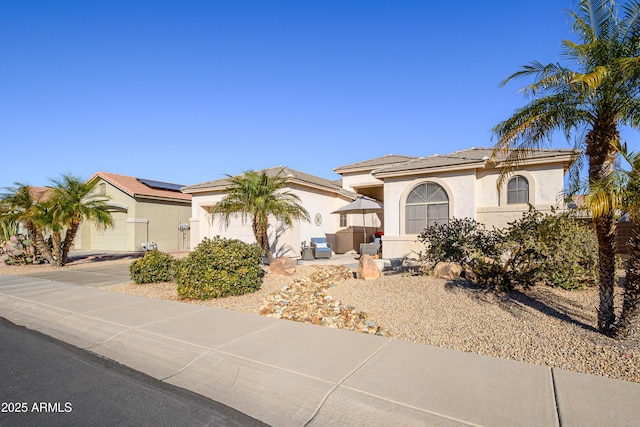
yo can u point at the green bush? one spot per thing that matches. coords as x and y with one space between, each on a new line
154 267
552 249
559 250
220 268
459 241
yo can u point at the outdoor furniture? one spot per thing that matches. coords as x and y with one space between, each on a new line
307 253
364 206
321 249
369 248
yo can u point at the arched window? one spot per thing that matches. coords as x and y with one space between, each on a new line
518 190
427 204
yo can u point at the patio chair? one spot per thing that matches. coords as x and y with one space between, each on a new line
321 249
369 248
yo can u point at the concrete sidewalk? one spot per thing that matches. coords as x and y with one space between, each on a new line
291 374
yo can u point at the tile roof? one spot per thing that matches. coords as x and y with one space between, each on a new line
388 160
40 193
293 176
133 187
464 158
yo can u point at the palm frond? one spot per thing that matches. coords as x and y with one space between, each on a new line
593 79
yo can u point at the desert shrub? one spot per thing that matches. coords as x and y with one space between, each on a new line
556 249
519 261
153 267
459 241
571 249
18 250
220 268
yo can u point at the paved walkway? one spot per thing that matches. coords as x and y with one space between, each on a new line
291 374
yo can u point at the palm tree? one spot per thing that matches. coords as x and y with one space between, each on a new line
21 204
258 196
71 202
620 192
589 103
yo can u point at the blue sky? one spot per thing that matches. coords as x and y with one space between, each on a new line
187 91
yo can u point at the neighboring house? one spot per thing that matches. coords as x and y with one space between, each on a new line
422 191
319 197
145 212
416 192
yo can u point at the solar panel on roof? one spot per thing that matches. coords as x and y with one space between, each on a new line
160 185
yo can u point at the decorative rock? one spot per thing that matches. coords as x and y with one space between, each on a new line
367 268
447 270
304 300
283 266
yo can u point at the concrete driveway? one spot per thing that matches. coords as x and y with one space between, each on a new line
94 275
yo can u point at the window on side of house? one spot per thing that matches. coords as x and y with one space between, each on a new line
518 190
426 205
343 220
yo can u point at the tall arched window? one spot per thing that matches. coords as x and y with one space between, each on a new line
427 204
518 190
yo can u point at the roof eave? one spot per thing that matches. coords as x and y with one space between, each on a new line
193 190
161 199
221 188
556 158
427 170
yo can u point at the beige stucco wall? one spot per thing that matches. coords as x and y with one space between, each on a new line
163 221
114 238
350 181
546 186
460 188
137 222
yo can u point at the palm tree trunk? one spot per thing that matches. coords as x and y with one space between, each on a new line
56 239
69 237
602 155
39 242
606 269
631 288
262 238
266 248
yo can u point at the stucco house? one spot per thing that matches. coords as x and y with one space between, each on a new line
319 197
421 191
415 191
145 213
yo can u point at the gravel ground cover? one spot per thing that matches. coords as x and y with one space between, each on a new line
542 325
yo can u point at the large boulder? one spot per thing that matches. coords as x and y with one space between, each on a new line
367 268
447 270
283 266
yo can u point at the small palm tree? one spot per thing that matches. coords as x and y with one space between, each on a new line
71 202
20 204
258 196
57 212
588 103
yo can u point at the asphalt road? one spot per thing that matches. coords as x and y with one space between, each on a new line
47 382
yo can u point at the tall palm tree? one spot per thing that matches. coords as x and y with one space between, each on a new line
21 204
620 192
258 196
590 103
71 202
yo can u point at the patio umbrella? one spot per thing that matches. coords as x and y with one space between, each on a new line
361 205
